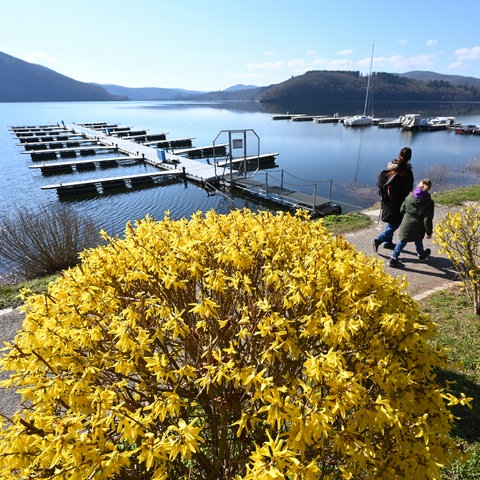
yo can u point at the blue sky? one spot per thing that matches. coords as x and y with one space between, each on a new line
214 44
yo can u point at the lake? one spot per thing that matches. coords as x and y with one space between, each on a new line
308 151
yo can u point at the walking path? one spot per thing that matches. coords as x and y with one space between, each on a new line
423 277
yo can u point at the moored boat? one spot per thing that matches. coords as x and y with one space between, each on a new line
358 121
466 129
441 123
414 122
392 123
362 120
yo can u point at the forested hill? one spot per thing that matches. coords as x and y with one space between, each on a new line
21 81
351 86
427 76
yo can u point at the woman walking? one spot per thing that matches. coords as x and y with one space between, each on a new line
394 184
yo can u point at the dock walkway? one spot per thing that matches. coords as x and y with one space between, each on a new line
193 169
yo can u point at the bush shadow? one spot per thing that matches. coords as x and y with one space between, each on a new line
467 425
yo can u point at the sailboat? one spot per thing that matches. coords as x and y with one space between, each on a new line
362 120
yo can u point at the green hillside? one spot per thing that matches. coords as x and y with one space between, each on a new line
26 82
351 86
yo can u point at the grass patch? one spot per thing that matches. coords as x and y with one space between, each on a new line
346 223
9 293
458 196
459 331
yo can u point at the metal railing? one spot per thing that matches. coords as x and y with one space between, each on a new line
289 188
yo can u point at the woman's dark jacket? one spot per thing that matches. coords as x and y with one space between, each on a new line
417 210
399 187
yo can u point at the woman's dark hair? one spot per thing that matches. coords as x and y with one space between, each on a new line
403 158
405 154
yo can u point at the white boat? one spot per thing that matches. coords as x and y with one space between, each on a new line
392 123
362 120
358 121
442 123
413 121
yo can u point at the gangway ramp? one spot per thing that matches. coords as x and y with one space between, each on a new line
281 194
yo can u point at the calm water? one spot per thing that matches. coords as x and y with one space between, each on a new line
351 157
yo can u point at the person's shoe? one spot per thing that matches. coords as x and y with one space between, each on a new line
425 255
376 244
395 263
389 246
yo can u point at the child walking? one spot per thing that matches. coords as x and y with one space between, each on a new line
417 210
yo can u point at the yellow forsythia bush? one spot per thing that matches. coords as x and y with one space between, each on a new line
240 346
458 235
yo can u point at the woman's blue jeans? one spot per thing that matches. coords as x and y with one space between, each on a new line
387 235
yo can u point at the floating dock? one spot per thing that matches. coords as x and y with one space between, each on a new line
43 142
82 165
59 144
326 119
93 185
251 160
303 118
51 153
390 124
170 144
287 116
208 151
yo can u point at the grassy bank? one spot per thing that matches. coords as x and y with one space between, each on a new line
459 331
9 292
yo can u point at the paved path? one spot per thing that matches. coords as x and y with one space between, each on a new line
10 322
423 277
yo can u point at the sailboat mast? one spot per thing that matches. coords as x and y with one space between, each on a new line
368 82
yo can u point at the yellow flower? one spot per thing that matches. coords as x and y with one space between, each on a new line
245 346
